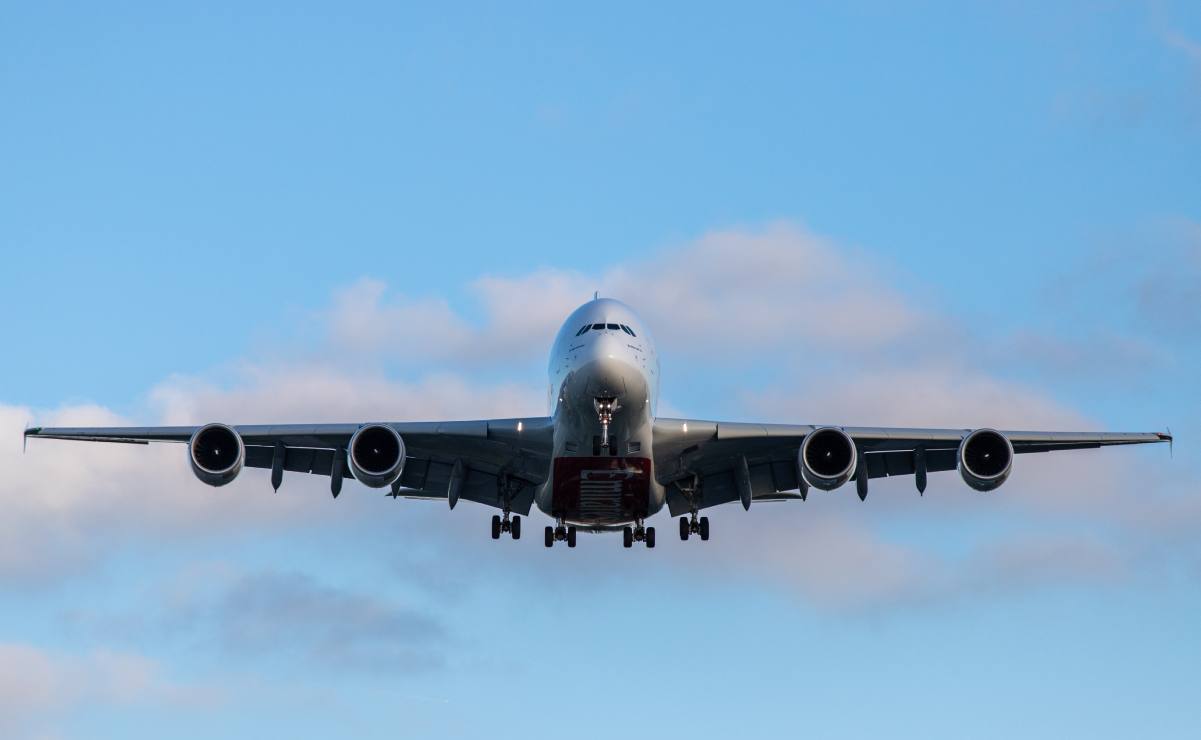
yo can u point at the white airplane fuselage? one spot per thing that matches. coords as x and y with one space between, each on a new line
602 478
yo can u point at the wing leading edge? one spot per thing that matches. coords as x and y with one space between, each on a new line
502 460
706 463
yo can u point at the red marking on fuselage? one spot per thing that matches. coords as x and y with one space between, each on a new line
602 489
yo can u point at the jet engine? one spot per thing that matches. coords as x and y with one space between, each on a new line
217 454
827 458
985 459
376 455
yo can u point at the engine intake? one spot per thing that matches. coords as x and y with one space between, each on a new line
217 454
985 459
377 455
828 458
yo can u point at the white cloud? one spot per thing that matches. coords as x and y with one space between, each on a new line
727 288
421 328
37 686
766 288
68 502
282 394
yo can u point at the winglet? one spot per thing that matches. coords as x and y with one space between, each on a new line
29 432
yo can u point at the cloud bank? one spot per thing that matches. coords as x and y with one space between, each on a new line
734 296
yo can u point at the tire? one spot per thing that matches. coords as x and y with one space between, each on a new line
627 537
495 527
684 528
704 529
515 528
571 536
650 536
550 537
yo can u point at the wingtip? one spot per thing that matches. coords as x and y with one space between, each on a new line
29 432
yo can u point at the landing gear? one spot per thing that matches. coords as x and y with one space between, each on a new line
690 526
605 408
638 533
560 533
513 526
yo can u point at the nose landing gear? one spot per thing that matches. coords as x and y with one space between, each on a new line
638 533
605 408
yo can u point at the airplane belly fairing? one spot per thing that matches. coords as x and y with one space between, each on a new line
601 490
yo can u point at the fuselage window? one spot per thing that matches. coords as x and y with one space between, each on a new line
598 327
586 328
628 330
614 327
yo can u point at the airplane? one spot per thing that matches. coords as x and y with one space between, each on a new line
601 460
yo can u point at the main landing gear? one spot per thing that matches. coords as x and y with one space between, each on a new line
638 533
510 526
560 533
692 525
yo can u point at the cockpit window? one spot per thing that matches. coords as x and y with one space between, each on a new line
598 327
613 327
585 328
628 330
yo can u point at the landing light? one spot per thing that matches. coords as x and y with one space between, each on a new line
519 426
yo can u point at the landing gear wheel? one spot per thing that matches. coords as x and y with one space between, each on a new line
684 529
515 528
571 536
704 529
550 537
627 537
650 537
495 527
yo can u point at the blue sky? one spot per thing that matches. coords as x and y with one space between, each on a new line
947 214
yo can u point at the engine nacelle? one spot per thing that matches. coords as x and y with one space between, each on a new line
828 458
376 455
985 459
217 454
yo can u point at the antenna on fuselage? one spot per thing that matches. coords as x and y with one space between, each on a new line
596 295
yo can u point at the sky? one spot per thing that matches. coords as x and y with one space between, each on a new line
946 214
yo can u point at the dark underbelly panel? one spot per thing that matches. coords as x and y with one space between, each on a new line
601 489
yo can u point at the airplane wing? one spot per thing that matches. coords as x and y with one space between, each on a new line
706 463
491 460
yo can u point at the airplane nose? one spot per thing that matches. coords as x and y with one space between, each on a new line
608 369
607 372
